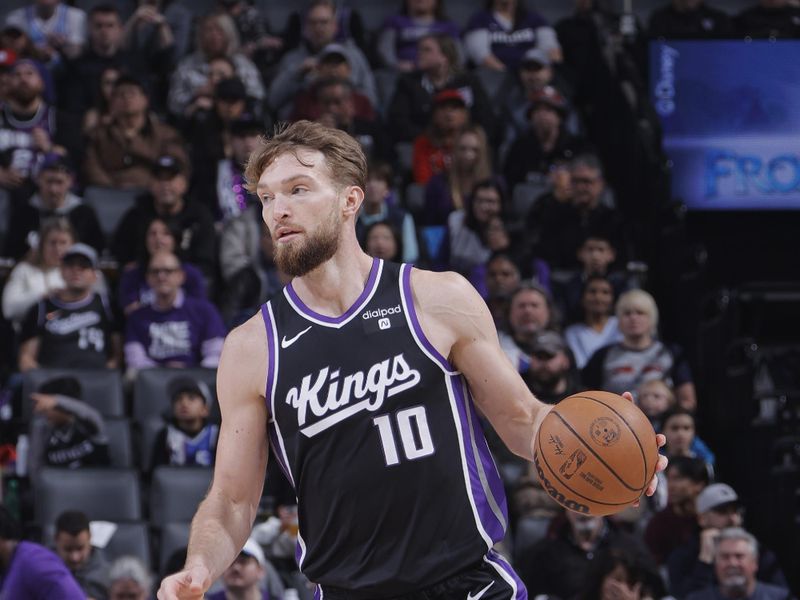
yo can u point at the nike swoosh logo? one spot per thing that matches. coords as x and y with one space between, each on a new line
286 343
481 593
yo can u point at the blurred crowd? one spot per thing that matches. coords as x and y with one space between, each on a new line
130 244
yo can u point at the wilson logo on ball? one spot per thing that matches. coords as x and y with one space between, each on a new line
605 431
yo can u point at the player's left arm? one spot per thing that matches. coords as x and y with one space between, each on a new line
457 322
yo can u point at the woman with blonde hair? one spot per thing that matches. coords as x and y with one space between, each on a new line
470 164
39 275
640 356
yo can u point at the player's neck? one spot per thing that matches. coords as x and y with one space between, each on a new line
334 286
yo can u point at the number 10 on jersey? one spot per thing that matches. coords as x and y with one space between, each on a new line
415 435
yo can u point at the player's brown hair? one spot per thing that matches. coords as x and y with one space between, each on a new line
344 157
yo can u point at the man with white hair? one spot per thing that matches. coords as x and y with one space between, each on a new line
129 580
735 565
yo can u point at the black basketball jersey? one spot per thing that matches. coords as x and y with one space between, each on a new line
378 434
71 334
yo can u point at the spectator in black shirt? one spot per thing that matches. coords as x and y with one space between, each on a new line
438 69
78 78
65 432
167 199
533 153
74 327
690 19
53 199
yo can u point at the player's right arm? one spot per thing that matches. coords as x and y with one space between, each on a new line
224 520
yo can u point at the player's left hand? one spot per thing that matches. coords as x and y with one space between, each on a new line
662 460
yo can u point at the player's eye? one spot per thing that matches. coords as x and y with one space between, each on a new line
298 189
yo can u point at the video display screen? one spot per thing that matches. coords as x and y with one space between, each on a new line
730 111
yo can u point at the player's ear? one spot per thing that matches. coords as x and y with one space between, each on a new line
353 198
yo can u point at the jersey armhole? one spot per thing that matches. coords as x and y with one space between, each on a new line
414 326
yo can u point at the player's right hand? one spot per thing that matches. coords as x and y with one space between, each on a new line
189 584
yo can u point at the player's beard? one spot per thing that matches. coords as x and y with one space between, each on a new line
298 258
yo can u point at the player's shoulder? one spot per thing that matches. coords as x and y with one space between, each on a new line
249 338
438 287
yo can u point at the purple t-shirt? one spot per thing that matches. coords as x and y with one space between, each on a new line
509 45
133 286
187 333
408 32
36 573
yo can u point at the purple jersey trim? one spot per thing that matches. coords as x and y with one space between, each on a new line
480 465
272 431
356 306
412 314
507 573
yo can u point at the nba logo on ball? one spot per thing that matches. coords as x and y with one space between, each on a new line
384 323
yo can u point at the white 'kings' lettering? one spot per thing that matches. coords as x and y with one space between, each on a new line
326 394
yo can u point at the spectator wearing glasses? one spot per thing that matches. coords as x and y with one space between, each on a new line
175 330
691 565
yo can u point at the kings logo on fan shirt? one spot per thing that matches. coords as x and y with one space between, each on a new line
333 398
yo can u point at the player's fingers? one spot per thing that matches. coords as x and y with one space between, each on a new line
661 440
628 396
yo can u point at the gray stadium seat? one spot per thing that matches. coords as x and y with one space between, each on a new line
524 197
175 493
174 536
120 442
110 204
151 399
100 388
103 494
148 432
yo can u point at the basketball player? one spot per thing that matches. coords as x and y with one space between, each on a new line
365 379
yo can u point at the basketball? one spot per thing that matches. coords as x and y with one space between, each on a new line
595 453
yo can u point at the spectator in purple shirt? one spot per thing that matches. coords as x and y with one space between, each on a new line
31 571
176 330
134 291
498 36
397 41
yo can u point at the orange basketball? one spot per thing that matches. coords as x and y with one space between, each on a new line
595 453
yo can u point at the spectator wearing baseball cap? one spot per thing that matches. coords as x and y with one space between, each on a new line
167 199
691 565
546 141
296 69
552 375
188 437
433 148
122 153
74 326
438 68
7 59
250 576
53 198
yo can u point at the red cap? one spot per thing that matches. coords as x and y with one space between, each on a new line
7 58
548 96
449 95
